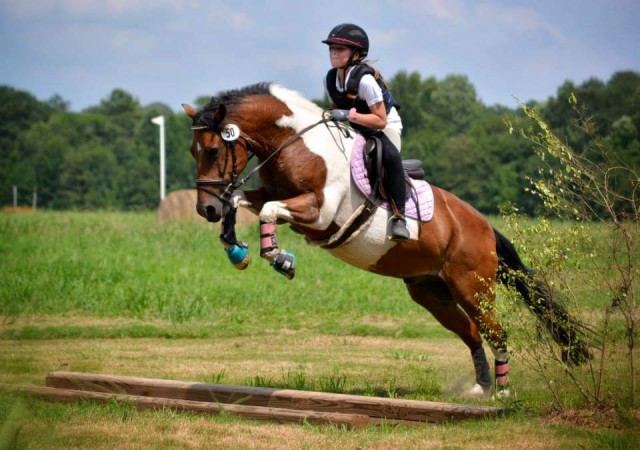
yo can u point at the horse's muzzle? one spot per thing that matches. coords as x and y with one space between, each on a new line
212 211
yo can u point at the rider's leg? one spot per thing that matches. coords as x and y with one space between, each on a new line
394 137
395 188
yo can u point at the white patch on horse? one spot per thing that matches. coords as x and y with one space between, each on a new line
372 243
341 196
324 143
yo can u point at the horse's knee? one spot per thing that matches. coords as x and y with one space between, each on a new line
272 211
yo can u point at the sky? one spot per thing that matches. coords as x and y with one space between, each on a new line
173 51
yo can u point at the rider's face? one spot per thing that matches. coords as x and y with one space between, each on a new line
339 55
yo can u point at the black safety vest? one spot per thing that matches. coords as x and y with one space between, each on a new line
349 98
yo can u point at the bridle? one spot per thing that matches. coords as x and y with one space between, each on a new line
231 134
205 184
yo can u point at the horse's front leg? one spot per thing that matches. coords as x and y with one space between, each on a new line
238 251
303 209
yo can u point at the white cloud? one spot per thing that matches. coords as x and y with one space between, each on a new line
92 8
452 11
388 37
222 15
520 20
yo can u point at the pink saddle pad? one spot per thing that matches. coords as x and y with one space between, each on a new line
425 194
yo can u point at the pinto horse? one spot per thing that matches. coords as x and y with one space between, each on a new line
450 264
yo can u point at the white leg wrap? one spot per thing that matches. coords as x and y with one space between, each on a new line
499 354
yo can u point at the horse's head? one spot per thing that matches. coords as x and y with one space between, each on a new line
221 153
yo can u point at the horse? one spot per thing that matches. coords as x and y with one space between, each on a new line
450 265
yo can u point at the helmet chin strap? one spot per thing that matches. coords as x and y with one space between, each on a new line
350 61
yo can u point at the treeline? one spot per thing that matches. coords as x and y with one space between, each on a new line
104 157
468 149
107 155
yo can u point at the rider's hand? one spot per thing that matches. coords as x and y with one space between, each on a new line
352 114
339 114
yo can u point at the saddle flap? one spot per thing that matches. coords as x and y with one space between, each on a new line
420 190
413 168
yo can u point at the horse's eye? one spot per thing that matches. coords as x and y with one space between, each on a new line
212 150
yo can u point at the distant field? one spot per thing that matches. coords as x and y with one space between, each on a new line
118 293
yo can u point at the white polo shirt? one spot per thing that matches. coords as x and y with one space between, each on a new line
370 92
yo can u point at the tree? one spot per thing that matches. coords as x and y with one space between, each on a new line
454 101
121 108
87 178
598 256
19 110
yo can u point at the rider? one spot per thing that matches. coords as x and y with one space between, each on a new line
351 85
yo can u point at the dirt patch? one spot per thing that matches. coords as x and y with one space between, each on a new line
18 209
591 418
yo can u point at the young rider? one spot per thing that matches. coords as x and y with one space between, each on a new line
352 86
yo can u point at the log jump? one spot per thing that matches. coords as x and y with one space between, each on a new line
280 405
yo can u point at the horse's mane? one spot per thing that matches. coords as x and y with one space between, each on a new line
230 99
233 98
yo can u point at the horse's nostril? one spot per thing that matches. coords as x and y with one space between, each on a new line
210 211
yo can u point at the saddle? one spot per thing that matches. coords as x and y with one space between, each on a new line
375 171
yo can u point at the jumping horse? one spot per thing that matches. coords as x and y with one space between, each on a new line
450 265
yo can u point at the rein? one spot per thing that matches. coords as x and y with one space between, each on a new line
230 143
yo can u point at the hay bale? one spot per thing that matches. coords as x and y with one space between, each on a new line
181 206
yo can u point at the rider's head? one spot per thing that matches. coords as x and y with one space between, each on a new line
350 36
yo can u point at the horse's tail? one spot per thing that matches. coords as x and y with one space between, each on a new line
566 331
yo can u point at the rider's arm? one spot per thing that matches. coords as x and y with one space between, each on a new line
369 91
376 120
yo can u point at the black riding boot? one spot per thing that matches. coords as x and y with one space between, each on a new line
395 188
399 230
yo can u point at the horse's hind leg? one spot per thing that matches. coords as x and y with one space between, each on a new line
474 291
433 294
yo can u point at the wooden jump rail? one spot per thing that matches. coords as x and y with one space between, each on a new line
281 405
144 402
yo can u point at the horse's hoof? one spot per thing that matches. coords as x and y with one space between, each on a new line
479 391
244 263
285 263
502 394
239 255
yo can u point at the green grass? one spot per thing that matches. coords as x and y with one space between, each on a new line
118 293
126 265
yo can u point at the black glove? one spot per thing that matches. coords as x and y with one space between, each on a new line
339 114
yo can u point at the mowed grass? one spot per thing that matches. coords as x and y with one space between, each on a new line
117 293
126 265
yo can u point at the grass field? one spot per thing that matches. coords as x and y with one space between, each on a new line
119 294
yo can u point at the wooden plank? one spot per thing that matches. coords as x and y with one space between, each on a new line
377 407
280 415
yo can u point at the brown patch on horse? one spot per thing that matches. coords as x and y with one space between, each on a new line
317 235
440 238
302 174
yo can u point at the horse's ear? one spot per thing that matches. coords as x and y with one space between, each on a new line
189 110
220 114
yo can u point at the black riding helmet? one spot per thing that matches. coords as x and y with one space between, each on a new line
349 35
